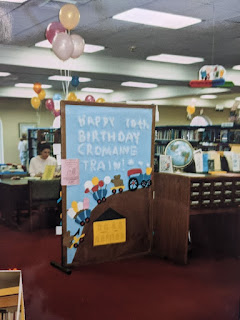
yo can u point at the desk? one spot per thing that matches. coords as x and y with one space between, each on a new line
184 198
11 192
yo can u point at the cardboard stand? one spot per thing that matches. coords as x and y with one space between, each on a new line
106 177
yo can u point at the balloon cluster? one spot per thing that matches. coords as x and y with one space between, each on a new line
36 101
53 104
64 45
98 188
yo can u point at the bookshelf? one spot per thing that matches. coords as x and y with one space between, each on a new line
36 135
217 137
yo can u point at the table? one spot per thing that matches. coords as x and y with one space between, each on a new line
207 205
11 192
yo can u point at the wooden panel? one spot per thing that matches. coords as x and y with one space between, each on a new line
171 216
9 301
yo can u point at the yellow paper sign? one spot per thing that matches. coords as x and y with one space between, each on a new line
48 173
109 232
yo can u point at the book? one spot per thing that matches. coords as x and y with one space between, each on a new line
165 164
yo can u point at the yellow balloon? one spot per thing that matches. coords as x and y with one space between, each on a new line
35 102
190 109
100 100
69 16
72 96
75 206
95 181
148 170
42 94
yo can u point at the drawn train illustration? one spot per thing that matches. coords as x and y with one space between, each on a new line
98 188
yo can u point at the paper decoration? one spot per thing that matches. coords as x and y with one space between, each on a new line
109 232
165 164
211 76
57 148
198 159
48 173
69 172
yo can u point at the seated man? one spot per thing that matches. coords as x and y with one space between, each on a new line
38 163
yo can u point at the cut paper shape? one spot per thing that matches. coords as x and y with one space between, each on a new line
48 173
69 172
206 83
212 72
57 148
140 163
109 228
130 162
136 178
118 184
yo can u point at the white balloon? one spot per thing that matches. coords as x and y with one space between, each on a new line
78 45
88 185
71 213
80 206
62 46
57 122
107 180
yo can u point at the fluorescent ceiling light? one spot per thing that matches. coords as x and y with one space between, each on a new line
43 44
156 18
97 90
171 58
65 78
16 1
237 99
237 67
138 84
88 48
4 74
30 85
208 96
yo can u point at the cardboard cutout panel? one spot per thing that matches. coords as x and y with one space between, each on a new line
107 215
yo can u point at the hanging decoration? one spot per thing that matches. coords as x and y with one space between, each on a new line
89 98
191 109
52 29
210 76
64 44
36 101
100 100
156 114
75 81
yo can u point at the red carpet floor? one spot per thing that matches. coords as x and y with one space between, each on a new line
144 288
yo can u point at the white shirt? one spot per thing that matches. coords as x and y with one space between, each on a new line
37 164
22 146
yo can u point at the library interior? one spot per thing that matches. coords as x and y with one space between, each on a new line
119 159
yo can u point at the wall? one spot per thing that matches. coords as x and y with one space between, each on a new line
178 115
13 112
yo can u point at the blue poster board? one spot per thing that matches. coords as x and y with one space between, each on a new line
113 145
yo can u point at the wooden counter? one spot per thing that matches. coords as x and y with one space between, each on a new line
179 197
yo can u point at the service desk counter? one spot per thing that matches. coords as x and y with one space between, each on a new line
207 205
11 192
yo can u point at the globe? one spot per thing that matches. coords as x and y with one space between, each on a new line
181 152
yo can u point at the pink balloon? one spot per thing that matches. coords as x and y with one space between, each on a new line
56 113
89 98
62 46
78 45
52 29
49 104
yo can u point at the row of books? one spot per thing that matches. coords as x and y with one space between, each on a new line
171 134
201 135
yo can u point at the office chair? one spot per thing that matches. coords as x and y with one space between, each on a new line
42 195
